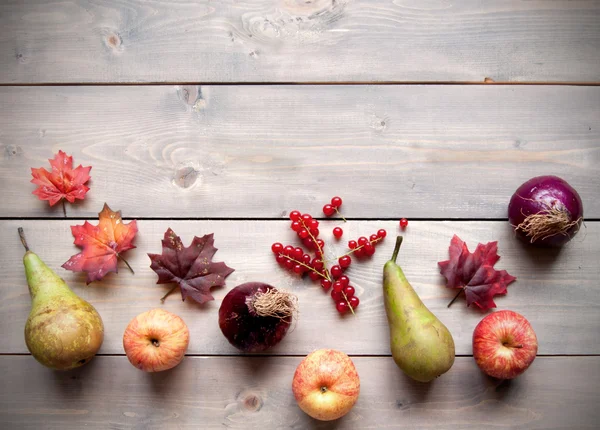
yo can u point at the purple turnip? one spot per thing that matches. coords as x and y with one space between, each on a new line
256 316
545 211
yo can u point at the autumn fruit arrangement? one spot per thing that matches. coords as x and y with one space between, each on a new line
63 331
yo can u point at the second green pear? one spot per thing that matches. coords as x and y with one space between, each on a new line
421 344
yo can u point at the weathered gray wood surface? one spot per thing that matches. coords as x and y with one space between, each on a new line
557 291
247 392
299 41
261 151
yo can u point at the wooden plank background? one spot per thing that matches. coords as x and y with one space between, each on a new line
251 392
191 115
260 151
299 41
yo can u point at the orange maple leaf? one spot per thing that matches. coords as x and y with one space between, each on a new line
63 182
101 245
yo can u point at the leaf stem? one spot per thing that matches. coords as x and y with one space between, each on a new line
168 292
125 261
456 297
64 207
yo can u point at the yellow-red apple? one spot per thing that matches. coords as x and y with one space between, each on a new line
156 340
504 344
326 384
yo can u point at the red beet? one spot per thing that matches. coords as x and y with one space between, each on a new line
545 211
256 316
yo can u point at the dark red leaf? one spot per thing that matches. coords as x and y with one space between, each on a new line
191 268
475 273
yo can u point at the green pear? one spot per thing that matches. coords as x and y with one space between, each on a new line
421 345
63 331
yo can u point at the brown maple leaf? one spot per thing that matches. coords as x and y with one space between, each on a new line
102 244
63 182
474 273
191 268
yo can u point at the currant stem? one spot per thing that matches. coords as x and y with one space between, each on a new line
314 239
338 212
456 297
348 302
355 249
169 292
125 261
301 263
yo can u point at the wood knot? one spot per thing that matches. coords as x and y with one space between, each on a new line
251 402
11 151
113 41
186 176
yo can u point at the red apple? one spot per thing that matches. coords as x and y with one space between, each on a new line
504 344
326 384
156 340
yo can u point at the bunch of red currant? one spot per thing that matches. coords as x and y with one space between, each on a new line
297 260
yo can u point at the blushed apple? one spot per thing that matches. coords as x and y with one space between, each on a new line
504 344
326 384
156 340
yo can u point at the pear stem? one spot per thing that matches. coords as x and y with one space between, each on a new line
396 248
22 237
456 297
125 261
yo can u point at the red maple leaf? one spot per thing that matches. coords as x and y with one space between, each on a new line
191 268
474 273
63 182
102 244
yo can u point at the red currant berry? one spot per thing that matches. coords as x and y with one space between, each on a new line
289 264
295 215
403 223
308 242
381 233
352 244
306 218
336 271
277 247
313 223
337 286
336 202
314 232
314 276
369 249
344 280
326 284
303 233
354 302
342 307
319 255
296 225
298 253
360 252
306 259
320 243
338 232
362 241
280 259
317 264
373 237
298 269
288 250
336 295
328 210
349 291
345 261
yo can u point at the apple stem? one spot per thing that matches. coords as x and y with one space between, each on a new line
168 292
518 346
456 297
